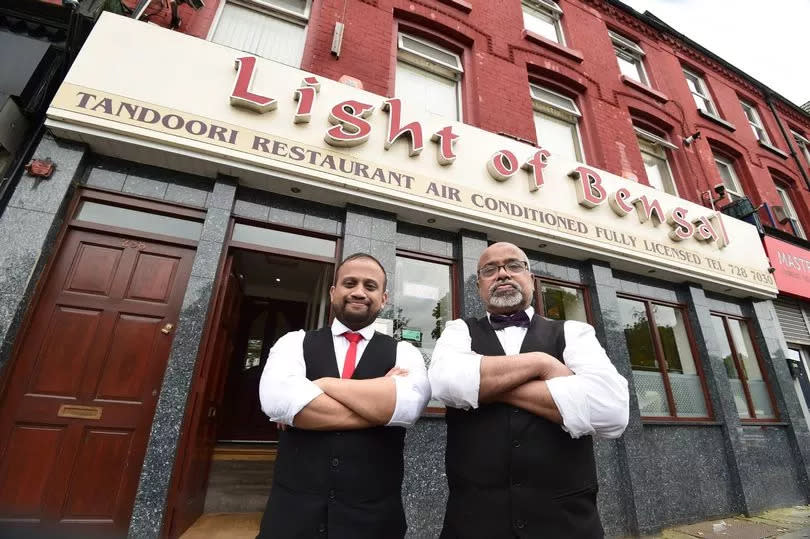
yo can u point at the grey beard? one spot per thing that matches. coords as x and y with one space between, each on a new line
512 298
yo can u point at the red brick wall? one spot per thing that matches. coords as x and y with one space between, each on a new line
499 62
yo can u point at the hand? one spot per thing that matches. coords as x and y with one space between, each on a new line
397 371
551 367
281 426
322 383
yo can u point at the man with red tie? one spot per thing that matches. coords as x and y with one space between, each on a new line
524 396
345 393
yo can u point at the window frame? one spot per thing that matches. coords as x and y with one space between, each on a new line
765 377
555 110
700 85
755 121
804 145
630 51
550 9
430 65
438 411
659 359
665 147
540 280
735 179
787 203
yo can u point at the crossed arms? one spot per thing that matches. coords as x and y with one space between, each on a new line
289 398
586 395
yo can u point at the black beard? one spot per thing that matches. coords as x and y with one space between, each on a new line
351 320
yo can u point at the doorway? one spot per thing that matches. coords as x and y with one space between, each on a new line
267 295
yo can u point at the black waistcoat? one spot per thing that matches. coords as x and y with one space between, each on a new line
512 473
340 484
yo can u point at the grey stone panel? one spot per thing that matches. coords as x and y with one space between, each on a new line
147 185
223 194
775 480
554 267
725 304
426 240
424 491
684 476
216 225
372 228
612 487
192 195
472 245
47 195
106 177
646 287
279 209
356 244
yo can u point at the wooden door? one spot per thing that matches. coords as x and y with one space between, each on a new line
76 416
188 497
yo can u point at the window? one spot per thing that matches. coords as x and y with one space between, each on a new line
756 124
542 17
556 122
654 154
748 386
790 212
804 145
272 29
145 221
669 383
630 57
284 241
700 93
561 301
429 77
726 170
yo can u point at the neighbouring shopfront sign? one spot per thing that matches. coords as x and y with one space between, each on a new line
791 267
248 112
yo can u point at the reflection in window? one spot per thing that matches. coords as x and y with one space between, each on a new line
287 241
144 221
749 387
664 369
563 302
424 302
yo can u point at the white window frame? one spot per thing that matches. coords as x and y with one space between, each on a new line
790 210
433 65
263 6
548 8
804 145
630 51
561 111
752 115
702 91
660 145
738 190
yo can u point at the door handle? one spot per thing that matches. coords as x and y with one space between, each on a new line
167 328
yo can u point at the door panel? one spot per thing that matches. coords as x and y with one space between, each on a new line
76 415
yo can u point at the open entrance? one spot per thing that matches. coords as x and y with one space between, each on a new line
230 456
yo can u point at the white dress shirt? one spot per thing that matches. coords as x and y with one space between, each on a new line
284 389
593 401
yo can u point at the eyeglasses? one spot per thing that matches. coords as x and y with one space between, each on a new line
513 267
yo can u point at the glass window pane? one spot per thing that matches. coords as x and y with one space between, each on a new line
261 34
721 339
690 401
540 23
278 239
105 214
652 397
563 302
748 359
431 51
432 93
631 69
296 6
558 136
560 101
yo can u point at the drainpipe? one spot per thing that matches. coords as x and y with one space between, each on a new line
788 138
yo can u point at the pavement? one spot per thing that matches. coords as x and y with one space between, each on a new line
785 523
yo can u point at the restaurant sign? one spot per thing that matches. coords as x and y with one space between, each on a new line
225 106
791 267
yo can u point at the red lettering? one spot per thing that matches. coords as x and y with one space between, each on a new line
502 165
535 166
446 140
350 129
681 228
395 128
649 210
305 95
241 95
590 192
618 201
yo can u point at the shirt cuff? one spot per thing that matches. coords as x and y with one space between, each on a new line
409 403
572 405
298 401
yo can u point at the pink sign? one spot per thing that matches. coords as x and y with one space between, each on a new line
792 265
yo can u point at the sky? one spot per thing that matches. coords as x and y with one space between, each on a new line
769 41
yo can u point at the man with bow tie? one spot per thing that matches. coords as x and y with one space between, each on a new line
345 394
524 395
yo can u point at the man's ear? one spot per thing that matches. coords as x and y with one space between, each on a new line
331 293
384 299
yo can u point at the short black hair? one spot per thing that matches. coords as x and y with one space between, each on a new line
355 256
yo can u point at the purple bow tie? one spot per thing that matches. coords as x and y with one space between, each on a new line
500 321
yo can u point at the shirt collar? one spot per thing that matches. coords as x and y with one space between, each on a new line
529 312
338 328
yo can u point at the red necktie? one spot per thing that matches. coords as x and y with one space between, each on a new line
351 353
